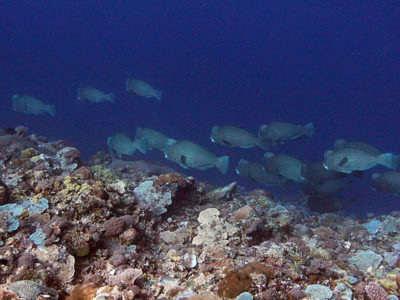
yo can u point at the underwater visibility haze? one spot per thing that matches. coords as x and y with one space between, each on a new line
196 65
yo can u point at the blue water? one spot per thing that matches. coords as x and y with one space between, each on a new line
242 63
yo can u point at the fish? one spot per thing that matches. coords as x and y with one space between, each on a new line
94 95
327 187
317 173
348 160
326 204
232 136
256 173
280 132
284 165
141 88
387 182
190 155
120 143
340 144
29 105
155 139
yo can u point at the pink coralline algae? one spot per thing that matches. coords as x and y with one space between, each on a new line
376 292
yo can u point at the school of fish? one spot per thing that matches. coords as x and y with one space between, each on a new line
320 181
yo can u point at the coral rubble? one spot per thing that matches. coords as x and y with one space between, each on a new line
136 230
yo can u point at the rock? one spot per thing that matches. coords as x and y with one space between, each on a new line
64 262
4 194
317 291
126 277
189 260
119 187
366 261
157 202
177 237
212 230
225 193
208 215
244 296
68 158
21 130
31 290
343 291
244 212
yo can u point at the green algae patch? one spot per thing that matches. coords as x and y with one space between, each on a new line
104 174
29 153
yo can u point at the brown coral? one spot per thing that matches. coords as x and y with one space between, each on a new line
84 291
235 283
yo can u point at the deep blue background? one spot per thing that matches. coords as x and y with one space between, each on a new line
232 62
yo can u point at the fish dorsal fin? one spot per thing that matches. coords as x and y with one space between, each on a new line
343 162
340 144
327 153
268 155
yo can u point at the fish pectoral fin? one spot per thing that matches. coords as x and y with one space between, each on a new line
226 143
343 162
184 162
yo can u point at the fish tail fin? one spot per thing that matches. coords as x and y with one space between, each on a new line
243 168
389 160
110 149
396 159
111 97
141 145
51 109
222 164
263 143
261 130
157 95
309 129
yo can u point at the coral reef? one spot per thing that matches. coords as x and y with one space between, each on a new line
106 229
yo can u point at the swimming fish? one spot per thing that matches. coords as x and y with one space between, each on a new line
94 95
326 204
388 182
141 88
347 160
340 144
317 173
256 173
232 136
190 155
279 132
155 139
327 187
120 143
284 165
29 105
